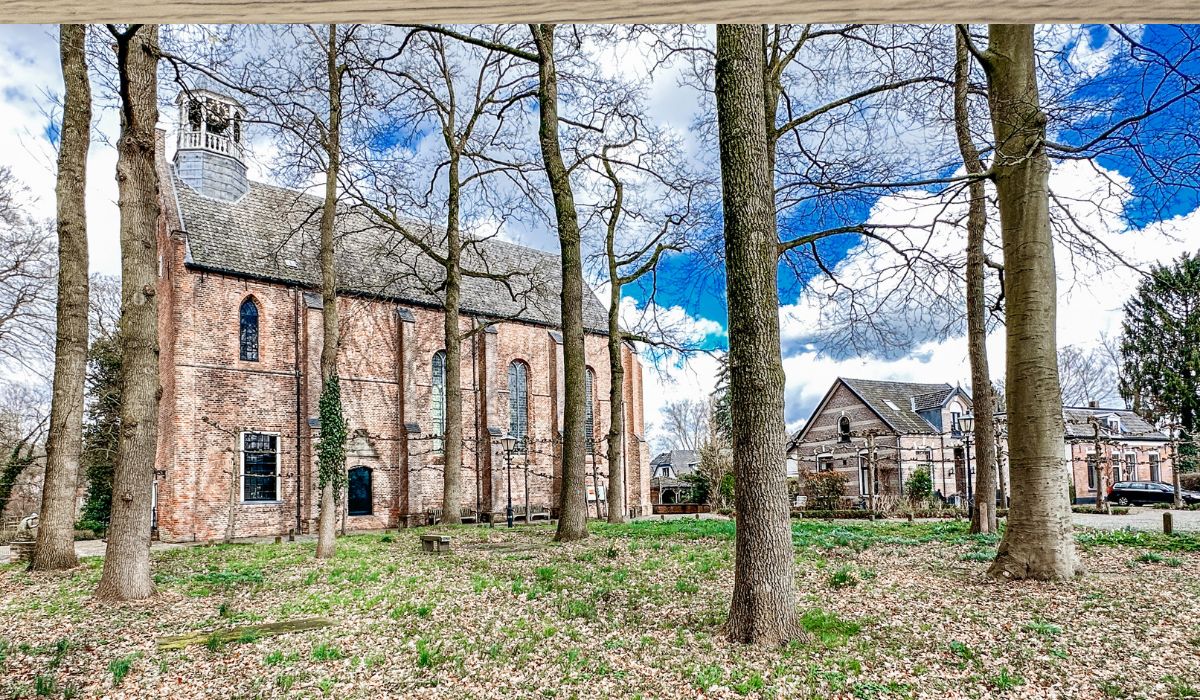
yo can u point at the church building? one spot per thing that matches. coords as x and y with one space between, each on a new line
240 337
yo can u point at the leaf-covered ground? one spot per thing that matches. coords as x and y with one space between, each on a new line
892 610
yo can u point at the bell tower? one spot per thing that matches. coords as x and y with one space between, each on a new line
209 154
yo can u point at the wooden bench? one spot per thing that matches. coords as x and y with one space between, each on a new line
435 543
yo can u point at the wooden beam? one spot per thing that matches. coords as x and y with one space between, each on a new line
243 633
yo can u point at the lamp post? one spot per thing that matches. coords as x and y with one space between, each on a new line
966 424
509 442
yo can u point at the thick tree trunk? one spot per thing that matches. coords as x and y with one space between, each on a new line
763 609
572 522
452 443
983 511
327 522
1038 541
126 574
56 542
618 508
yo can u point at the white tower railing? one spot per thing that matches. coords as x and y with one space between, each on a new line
203 139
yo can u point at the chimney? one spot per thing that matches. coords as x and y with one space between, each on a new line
1093 404
209 155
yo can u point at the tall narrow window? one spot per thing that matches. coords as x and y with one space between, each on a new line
1131 466
864 476
260 467
1155 472
518 402
589 422
248 330
438 399
358 491
1091 471
843 429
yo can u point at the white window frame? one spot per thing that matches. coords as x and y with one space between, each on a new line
824 455
864 474
1155 461
242 466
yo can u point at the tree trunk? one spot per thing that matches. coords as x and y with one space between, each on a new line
572 522
1101 466
763 609
983 511
616 397
452 442
327 523
1038 541
56 542
126 574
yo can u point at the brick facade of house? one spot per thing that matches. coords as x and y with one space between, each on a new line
211 397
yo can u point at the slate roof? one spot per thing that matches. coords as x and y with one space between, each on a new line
272 234
1133 426
681 461
933 399
900 415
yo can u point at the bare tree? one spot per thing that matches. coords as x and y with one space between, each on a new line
983 510
763 609
56 541
1087 374
26 282
126 574
687 422
1038 541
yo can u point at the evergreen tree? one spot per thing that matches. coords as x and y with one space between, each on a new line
1160 350
722 417
101 429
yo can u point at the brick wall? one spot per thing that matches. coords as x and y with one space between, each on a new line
210 397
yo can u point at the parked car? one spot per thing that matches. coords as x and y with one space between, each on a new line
1142 492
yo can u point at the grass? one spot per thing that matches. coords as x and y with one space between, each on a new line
888 610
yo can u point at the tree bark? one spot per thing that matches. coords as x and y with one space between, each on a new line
126 574
763 608
983 511
616 396
55 547
572 522
1038 541
327 521
452 442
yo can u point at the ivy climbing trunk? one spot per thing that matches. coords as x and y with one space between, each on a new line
983 510
126 574
331 457
56 541
572 522
763 609
1038 541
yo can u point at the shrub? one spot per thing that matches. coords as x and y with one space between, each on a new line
919 486
824 489
1190 481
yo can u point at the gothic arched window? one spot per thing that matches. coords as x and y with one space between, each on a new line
248 330
438 402
589 417
518 401
843 429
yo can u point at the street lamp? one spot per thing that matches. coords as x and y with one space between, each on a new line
967 424
509 442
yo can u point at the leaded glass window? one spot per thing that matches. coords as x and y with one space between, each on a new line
260 467
589 418
359 499
248 330
518 401
438 402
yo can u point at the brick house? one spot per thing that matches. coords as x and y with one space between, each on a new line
914 425
240 336
1131 449
911 425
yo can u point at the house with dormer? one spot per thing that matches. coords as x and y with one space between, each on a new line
909 425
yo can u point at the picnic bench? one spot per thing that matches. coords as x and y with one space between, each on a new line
435 543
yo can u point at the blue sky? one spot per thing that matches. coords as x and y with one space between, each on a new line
1149 222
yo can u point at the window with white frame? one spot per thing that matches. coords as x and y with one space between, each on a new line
1131 466
843 429
825 463
260 467
864 475
1155 469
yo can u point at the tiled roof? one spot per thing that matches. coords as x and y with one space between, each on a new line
1133 426
271 233
893 401
933 399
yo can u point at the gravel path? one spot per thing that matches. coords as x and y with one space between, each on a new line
1150 519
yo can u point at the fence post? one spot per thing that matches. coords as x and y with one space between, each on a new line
1168 525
